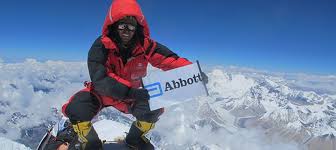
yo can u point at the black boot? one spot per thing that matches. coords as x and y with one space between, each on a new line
145 144
135 139
134 136
87 136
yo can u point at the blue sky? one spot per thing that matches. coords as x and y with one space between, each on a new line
275 35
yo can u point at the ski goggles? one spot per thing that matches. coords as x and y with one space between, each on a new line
129 27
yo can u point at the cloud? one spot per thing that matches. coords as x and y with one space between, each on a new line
180 128
31 92
321 84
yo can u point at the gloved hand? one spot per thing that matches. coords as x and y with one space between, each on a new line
138 94
204 78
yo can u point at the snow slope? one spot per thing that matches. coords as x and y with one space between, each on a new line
7 144
110 130
107 130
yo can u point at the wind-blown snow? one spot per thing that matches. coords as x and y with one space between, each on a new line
7 144
32 92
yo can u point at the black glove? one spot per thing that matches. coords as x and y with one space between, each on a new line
138 94
204 78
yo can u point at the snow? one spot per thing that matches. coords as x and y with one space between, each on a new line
110 130
106 129
321 84
231 86
7 144
333 96
32 93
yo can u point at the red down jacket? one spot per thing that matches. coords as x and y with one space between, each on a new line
111 78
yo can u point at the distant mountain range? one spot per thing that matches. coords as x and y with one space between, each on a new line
246 108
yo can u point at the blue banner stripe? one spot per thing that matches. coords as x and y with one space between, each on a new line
153 87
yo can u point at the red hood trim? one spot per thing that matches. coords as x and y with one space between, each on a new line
118 10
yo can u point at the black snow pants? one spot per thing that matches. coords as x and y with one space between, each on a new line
85 105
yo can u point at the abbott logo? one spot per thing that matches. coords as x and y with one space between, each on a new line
154 89
175 84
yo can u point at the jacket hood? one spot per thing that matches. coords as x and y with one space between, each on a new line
120 9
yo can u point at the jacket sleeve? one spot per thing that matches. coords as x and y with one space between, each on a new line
105 84
161 57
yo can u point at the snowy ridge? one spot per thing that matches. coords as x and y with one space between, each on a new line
243 104
274 101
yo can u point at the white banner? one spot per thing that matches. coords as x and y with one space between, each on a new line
171 87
